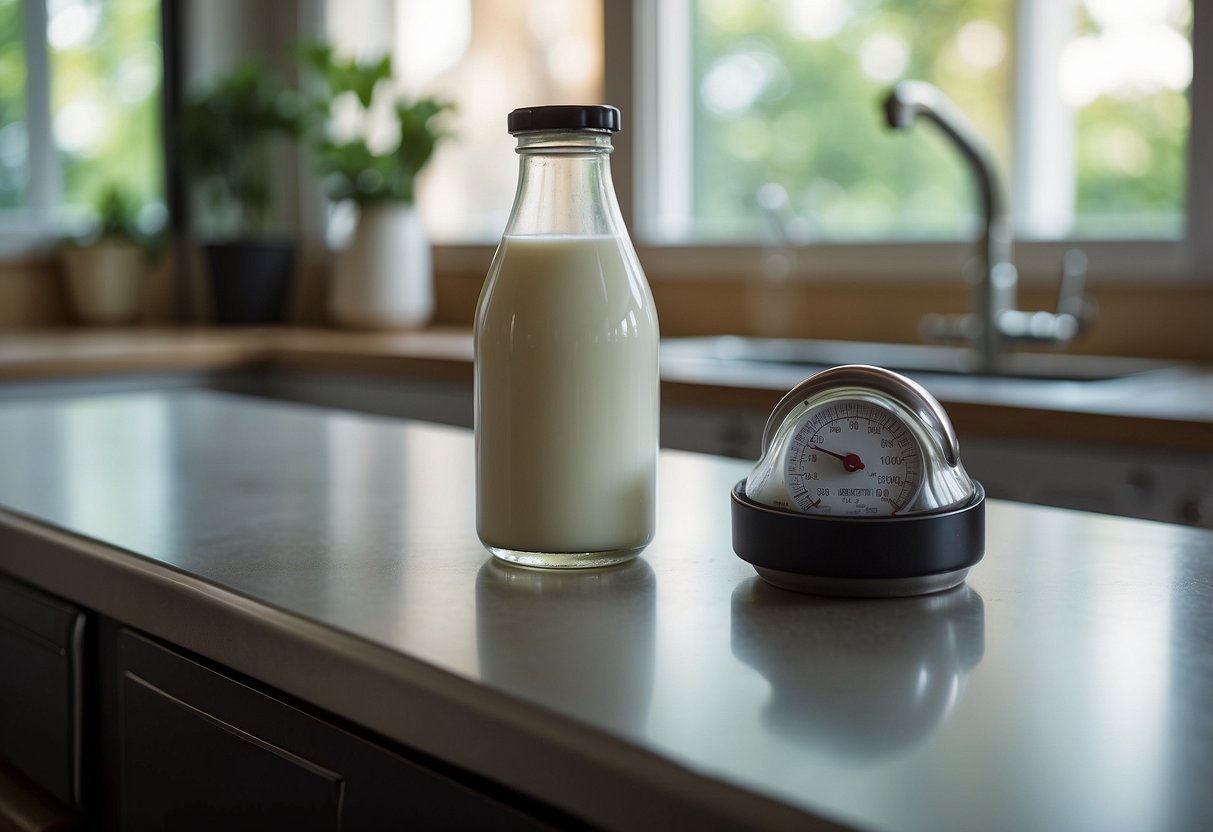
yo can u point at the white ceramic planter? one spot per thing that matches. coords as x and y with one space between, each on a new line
105 281
384 279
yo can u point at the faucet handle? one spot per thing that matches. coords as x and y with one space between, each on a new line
1075 311
1071 290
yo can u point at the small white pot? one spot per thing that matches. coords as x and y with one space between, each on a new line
105 281
384 279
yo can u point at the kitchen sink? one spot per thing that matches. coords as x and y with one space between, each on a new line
905 358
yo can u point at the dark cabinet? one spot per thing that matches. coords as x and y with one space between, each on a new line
42 680
185 769
102 727
200 750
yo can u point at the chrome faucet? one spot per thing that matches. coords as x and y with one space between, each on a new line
994 324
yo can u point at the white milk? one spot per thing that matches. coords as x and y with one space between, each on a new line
566 401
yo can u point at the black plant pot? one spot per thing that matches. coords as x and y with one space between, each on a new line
251 280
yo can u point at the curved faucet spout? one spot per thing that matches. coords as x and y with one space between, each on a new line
911 100
994 291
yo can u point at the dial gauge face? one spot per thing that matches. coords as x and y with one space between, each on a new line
852 458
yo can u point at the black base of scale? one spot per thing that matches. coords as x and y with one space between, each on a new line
876 557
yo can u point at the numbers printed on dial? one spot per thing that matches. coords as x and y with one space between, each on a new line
853 458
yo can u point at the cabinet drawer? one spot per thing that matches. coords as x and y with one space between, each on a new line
41 700
199 750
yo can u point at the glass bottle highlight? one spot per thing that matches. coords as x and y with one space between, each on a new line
566 347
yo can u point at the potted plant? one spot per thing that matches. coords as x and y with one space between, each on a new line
106 269
383 279
227 134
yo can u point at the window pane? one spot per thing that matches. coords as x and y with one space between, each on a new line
105 104
789 92
1127 73
489 57
14 158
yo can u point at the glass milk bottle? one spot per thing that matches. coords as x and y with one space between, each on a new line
566 359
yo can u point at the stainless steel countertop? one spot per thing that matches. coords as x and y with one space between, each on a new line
1067 685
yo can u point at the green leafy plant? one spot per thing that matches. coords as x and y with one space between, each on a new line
117 212
227 134
115 219
351 170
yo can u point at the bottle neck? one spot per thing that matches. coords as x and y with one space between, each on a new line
565 186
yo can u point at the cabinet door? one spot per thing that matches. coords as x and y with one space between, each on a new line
198 750
41 700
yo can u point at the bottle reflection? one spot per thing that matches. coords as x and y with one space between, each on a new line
535 629
856 678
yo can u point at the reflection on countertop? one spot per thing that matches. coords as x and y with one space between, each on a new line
858 678
603 666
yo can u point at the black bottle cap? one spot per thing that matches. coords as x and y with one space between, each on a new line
565 117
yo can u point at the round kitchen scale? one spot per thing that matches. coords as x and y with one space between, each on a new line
859 491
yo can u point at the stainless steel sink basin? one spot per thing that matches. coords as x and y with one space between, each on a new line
905 358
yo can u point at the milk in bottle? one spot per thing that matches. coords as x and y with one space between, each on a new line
566 343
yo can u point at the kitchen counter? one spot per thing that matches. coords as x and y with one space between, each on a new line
334 557
1170 409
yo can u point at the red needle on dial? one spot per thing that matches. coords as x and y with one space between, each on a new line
851 462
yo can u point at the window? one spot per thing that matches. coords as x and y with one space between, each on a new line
1083 104
79 110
